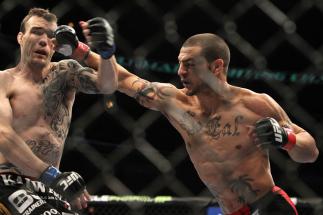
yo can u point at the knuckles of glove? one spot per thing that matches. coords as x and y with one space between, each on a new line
66 39
269 132
101 33
69 184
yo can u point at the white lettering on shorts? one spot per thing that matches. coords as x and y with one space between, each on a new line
21 200
50 212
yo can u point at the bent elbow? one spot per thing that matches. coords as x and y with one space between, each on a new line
5 138
315 155
108 88
310 158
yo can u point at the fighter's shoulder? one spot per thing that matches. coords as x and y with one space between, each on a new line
6 76
247 94
67 64
261 103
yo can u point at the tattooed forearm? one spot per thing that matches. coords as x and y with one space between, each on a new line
148 91
242 187
142 89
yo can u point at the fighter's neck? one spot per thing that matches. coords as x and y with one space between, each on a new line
210 101
34 73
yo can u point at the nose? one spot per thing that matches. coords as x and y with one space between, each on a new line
43 42
181 70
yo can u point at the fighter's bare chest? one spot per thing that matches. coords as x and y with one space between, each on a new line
40 104
29 98
220 124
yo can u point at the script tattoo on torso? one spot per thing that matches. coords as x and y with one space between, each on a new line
45 150
216 129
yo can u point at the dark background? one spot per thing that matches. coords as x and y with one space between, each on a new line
127 149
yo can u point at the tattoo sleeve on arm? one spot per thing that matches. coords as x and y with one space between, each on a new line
83 78
87 81
149 91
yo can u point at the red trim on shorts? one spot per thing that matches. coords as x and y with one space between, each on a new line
245 210
285 196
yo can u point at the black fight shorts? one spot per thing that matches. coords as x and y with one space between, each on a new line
276 202
20 195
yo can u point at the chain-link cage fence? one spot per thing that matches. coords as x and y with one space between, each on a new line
122 148
165 205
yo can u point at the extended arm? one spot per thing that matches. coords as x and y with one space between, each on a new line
149 94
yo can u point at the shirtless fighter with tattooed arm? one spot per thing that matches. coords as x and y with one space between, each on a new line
226 129
36 99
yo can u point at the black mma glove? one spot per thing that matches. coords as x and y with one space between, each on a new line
68 184
102 38
69 45
269 132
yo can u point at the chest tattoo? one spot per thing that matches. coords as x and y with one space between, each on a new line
55 108
216 129
45 150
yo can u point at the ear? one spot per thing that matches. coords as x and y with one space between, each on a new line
19 37
216 66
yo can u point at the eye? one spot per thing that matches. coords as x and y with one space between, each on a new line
50 34
41 31
37 31
188 65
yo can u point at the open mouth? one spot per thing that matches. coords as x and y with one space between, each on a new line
41 52
185 83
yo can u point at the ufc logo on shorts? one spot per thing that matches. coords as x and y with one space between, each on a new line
277 131
69 180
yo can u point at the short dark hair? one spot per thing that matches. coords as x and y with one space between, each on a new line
213 47
40 12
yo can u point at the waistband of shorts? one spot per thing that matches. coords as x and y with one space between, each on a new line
248 209
9 168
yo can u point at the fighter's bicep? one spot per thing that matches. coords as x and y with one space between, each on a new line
83 79
278 113
5 111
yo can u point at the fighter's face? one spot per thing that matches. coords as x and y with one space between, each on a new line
192 65
36 42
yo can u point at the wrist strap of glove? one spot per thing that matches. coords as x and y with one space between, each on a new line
291 137
49 175
81 52
106 54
